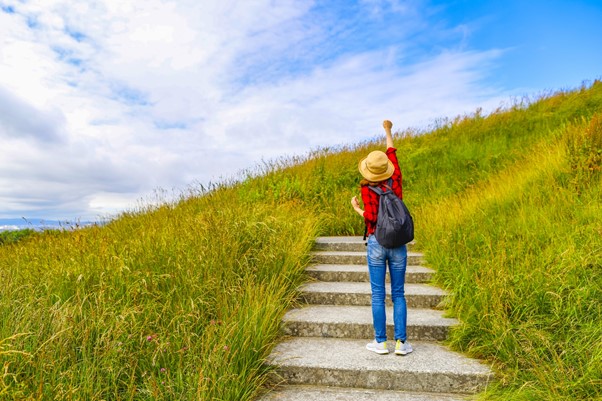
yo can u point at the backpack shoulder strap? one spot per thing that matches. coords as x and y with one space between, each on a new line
389 184
376 189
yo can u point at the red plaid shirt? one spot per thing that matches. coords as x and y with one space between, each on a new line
371 198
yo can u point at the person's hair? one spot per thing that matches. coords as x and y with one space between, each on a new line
365 182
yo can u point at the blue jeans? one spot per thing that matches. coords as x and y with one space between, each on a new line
377 260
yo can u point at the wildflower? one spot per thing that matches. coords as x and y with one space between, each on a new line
149 338
163 370
226 348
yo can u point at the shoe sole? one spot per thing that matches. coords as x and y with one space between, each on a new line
403 353
379 352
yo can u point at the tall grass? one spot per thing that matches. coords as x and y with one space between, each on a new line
183 301
179 302
523 258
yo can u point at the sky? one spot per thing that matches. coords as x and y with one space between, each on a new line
108 103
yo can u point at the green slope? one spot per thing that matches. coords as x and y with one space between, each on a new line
183 301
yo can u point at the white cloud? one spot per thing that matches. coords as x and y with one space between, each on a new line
22 119
9 228
103 100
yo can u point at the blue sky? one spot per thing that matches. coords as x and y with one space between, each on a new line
549 44
106 103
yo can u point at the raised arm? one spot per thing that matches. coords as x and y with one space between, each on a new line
388 125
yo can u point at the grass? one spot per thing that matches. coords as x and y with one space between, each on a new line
183 301
179 302
523 257
12 236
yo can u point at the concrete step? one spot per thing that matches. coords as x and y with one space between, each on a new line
346 363
354 244
356 322
348 293
355 258
359 273
311 393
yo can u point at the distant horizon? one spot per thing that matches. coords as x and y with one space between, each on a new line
14 224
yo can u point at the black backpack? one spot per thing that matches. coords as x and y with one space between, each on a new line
394 226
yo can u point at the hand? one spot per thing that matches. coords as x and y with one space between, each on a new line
356 206
387 125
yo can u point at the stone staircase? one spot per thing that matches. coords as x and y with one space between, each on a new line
324 357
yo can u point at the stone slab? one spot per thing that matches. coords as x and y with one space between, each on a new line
356 322
347 363
355 258
359 273
309 393
354 293
345 243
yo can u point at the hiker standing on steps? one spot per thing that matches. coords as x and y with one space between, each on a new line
377 168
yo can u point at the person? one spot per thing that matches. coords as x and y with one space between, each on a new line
377 168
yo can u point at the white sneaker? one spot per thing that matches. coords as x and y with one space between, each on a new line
403 348
379 348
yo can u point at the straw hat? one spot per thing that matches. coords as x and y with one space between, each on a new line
376 166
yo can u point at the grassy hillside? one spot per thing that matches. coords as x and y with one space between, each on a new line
178 302
184 301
